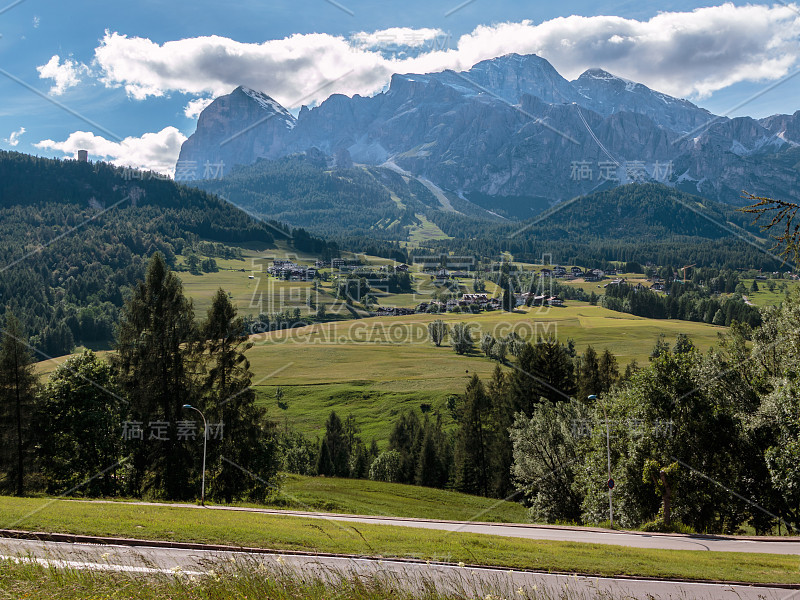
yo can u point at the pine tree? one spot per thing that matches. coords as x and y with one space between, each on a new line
471 457
247 442
630 370
335 445
403 439
428 471
545 370
589 380
154 365
609 370
501 418
18 385
324 463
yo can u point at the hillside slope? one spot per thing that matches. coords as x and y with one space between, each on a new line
74 238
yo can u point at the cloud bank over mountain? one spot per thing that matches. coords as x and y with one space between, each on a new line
688 54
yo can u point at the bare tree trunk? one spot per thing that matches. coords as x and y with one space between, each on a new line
667 497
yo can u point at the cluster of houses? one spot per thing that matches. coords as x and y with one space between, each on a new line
656 284
576 272
465 302
343 264
531 299
394 311
444 274
480 301
286 269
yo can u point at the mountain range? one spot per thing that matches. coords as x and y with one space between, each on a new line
513 132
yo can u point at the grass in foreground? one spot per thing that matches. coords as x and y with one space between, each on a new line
296 533
365 497
256 580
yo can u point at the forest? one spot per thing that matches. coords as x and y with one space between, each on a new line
75 237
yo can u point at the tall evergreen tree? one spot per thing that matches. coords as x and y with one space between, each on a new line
501 418
428 466
471 455
334 444
588 374
404 438
18 385
609 370
154 364
245 438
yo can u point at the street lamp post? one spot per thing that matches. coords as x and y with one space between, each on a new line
610 482
205 440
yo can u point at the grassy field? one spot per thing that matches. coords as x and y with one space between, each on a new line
764 297
425 232
365 497
251 296
379 367
297 533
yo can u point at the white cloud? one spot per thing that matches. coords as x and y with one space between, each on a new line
396 36
13 138
64 75
195 107
682 53
156 151
36 22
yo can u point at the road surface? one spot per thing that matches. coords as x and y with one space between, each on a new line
479 582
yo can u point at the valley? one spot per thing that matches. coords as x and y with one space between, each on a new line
467 319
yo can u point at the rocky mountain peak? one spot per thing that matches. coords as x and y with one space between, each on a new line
510 127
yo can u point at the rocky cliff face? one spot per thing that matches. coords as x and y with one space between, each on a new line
512 126
236 129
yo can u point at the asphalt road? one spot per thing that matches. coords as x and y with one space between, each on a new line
479 581
632 539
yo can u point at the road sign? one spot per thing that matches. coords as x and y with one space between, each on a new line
610 484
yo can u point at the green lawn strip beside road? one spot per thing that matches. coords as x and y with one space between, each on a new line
365 497
297 533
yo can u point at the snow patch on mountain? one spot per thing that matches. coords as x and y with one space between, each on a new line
269 104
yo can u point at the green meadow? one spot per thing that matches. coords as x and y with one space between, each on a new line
378 367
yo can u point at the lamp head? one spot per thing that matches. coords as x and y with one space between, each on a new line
187 406
592 397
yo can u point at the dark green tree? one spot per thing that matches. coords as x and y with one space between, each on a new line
79 427
545 370
608 369
245 441
324 463
18 388
588 374
154 362
335 444
472 447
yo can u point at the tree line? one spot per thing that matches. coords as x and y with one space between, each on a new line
123 426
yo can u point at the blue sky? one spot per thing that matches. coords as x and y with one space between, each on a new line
126 73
